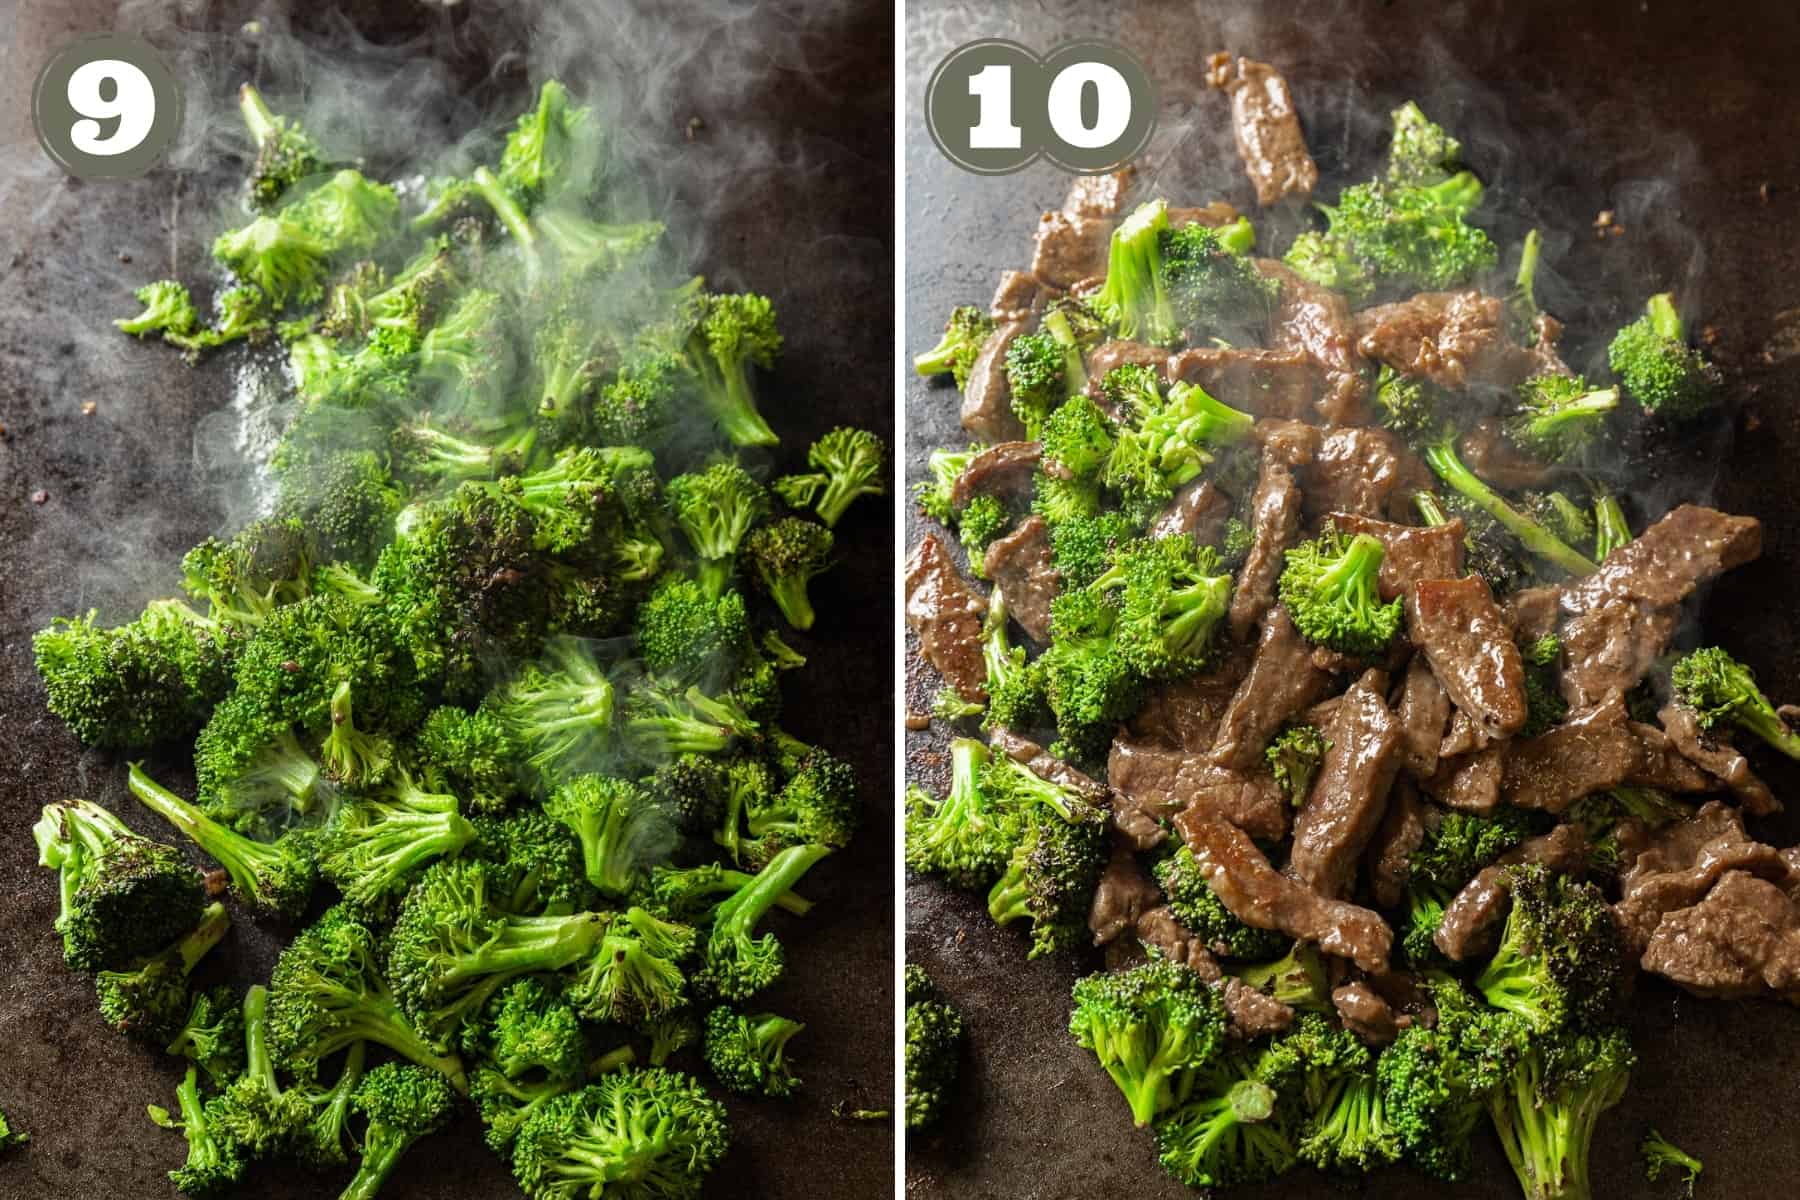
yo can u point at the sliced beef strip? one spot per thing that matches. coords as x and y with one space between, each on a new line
947 616
1464 637
1158 927
1424 710
1018 297
1162 782
987 400
1317 320
1366 1014
1742 940
1100 195
1260 896
1361 470
1253 1014
1350 795
1720 759
1185 713
1282 682
1619 620
1020 566
1070 248
1045 765
1491 454
1533 612
1003 470
1125 893
1673 867
1471 782
1267 128
1594 750
1472 918
1450 338
1401 832
1665 766
1462 737
1199 511
1410 553
1274 523
1267 383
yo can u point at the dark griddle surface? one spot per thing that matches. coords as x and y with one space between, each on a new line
125 499
1581 108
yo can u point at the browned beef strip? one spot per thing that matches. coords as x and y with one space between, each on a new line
1470 782
1402 830
1409 552
1665 766
1462 737
1019 564
1253 1014
1450 338
1045 765
1718 758
1213 215
1100 195
1017 298
1675 866
1004 469
1471 919
1199 511
1350 794
1488 452
987 400
1317 320
1594 750
1124 894
1423 710
1274 523
1361 470
1366 1014
1742 940
1282 681
1163 782
946 615
1619 620
1157 927
1533 612
1267 383
1185 713
1464 637
1260 896
1267 128
1070 248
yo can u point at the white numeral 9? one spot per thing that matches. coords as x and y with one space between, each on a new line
133 105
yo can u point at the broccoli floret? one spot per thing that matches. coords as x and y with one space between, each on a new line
787 555
695 893
1294 757
1443 459
748 1053
1422 152
1435 1080
1328 587
1136 297
1077 439
470 353
275 878
1412 235
1663 1157
716 509
640 405
1720 689
168 309
1351 1131
285 153
982 522
1083 548
1560 960
964 836
1152 1027
1461 844
1559 416
347 503
1331 262
1213 285
1412 407
401 1104
1547 1109
1061 848
1015 686
150 1000
1544 704
1172 596
123 896
377 840
535 864
683 632
736 963
473 752
350 755
732 333
662 721
1658 369
349 213
943 469
933 1050
214 1163
429 455
619 827
279 256
1192 901
1037 369
546 152
965 332
643 1133
846 463
1234 1130
1297 978
320 1141
1089 686
559 710
1164 442
817 805
212 1037
635 974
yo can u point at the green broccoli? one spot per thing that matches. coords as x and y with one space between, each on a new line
276 878
963 836
1412 407
619 828
1559 416
1192 901
1213 285
982 522
1172 597
214 1163
212 1037
1136 298
1167 441
1547 1109
1152 1027
1294 758
1663 1157
1560 961
735 963
846 463
1720 689
1421 151
168 308
1055 866
1328 588
285 153
634 975
787 555
1234 1129
642 1134
1089 686
1443 459
732 333
1611 529
964 334
716 509
748 1053
933 1050
150 1000
378 840
1297 978
933 493
401 1104
1657 368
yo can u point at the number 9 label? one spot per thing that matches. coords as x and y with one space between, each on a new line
106 107
993 106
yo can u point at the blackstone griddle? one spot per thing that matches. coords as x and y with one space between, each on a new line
791 165
1680 120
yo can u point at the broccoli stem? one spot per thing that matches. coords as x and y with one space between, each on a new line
738 915
506 209
1008 899
1663 317
1611 530
257 117
1450 468
941 357
1239 237
735 409
789 594
214 924
247 862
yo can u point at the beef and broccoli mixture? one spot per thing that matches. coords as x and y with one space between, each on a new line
1325 680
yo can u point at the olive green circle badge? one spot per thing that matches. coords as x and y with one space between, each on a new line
993 107
106 107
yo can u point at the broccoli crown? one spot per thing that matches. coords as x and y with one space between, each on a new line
1196 907
542 155
681 631
348 212
1351 1131
1663 1157
1720 689
1213 285
644 1134
212 1037
1015 686
1414 235
402 1103
1173 595
474 751
964 836
982 521
1056 864
1151 1027
817 805
748 1053
535 863
1077 438
1559 416
955 353
716 508
168 308
933 493
1561 959
661 721
1547 1109
1412 407
1658 369
635 974
736 964
214 1162
1329 589
933 1052
1235 1129
1090 688
285 153
787 555
1294 757
559 709
280 256
620 828
150 1000
733 333
1462 843
1135 298
1168 441
1331 262
1083 547
641 404
1422 152
847 463
378 840
1435 1081
1544 704
1037 378
1297 978
347 503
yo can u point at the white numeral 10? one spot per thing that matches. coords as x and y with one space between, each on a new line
132 104
992 87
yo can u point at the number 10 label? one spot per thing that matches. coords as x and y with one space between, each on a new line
993 106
